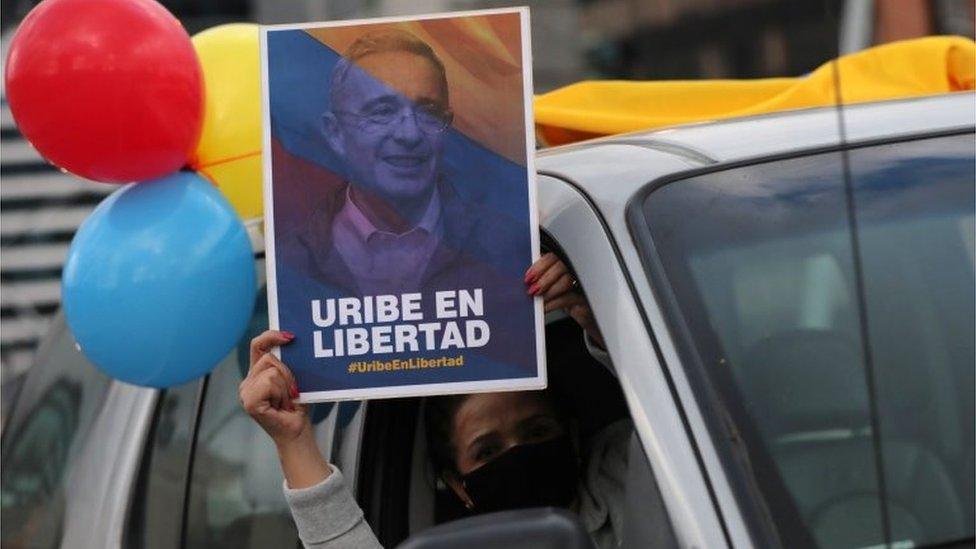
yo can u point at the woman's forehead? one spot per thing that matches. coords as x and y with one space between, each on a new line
488 411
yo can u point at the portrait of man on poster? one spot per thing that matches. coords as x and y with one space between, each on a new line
400 203
396 225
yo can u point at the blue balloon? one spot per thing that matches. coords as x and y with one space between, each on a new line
159 283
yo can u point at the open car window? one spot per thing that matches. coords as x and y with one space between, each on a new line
401 495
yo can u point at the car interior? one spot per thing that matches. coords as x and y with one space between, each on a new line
820 436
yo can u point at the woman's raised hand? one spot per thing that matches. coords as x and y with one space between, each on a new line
269 390
267 394
550 278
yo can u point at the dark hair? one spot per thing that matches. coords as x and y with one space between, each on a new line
439 423
380 42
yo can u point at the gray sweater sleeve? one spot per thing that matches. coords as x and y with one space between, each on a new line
327 516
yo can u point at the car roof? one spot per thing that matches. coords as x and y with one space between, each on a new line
612 169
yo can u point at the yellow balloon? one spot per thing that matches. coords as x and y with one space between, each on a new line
229 152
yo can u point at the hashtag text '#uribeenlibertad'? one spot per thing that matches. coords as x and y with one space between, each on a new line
397 364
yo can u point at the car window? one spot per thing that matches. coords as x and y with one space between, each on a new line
915 207
236 498
759 265
58 404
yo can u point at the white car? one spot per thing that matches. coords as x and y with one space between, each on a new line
791 323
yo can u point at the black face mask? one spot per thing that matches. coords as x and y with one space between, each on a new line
543 474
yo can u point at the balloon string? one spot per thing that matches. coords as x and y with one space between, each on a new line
207 176
226 160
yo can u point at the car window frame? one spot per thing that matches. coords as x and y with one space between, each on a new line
571 215
136 504
732 456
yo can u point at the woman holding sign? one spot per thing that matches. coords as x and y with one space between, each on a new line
496 451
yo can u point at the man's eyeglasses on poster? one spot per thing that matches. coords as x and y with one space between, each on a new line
429 117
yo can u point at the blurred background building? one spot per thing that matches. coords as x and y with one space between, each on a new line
40 208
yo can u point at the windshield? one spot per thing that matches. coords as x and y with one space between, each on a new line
857 416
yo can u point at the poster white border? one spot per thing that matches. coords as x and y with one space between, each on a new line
540 380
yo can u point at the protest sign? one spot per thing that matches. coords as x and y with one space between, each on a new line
400 209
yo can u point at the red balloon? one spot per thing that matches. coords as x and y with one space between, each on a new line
110 90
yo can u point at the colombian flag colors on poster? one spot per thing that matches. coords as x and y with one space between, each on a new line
399 204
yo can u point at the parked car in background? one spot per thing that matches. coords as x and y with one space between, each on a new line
790 320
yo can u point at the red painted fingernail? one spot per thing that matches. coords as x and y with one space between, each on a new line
533 289
288 335
294 391
529 276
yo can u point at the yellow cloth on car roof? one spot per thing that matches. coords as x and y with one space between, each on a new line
922 66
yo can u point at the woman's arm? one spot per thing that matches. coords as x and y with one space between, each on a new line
324 510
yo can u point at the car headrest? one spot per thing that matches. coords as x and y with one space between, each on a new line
805 380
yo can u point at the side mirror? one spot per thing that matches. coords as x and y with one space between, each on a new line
542 528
